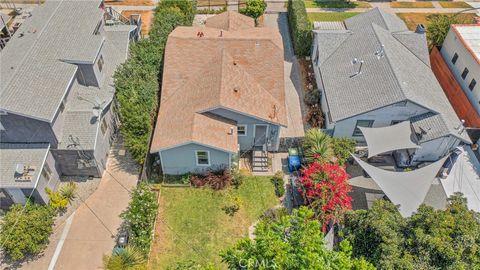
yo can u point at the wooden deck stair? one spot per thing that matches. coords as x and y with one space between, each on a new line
259 160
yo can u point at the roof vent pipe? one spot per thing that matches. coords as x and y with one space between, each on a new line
420 29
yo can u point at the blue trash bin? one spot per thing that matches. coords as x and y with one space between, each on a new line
293 163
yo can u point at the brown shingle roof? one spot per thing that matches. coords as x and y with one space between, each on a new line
238 70
230 21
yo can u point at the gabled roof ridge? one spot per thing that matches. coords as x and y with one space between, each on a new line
394 34
339 45
397 80
223 80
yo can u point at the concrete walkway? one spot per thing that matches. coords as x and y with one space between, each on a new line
293 83
82 243
386 6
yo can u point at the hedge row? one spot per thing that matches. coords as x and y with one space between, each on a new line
140 217
138 80
300 27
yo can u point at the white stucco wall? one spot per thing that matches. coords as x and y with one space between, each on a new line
452 45
382 117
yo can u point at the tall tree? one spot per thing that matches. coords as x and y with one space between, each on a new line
290 242
429 239
438 26
325 188
24 230
254 8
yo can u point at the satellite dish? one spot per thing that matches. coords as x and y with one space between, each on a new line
19 168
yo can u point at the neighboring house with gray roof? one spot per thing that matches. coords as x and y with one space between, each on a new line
375 72
56 93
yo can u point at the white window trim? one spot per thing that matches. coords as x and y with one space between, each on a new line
245 126
196 158
357 126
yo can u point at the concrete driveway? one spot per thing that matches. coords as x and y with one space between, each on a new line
293 83
88 234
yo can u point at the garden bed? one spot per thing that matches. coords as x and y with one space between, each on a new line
412 19
330 16
451 4
191 224
336 4
411 5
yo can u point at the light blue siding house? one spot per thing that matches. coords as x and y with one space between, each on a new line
222 93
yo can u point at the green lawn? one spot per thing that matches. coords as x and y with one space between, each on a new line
411 5
196 228
330 16
450 4
335 4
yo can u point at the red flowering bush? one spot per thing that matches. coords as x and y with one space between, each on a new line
325 189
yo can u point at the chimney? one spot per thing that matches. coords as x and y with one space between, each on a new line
420 29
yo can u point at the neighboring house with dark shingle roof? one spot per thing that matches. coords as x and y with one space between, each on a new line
375 73
56 91
222 92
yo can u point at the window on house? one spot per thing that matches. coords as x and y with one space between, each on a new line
472 84
454 58
100 63
104 126
464 73
395 122
361 123
242 130
46 172
203 158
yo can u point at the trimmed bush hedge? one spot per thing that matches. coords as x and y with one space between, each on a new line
140 217
300 27
138 80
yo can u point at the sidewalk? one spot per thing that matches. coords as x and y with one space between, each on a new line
90 234
293 82
386 6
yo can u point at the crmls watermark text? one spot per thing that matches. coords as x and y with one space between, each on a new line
255 263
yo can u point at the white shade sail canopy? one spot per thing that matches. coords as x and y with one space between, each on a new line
407 189
464 177
385 139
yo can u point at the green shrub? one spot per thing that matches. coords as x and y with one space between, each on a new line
25 231
140 217
277 181
254 8
342 147
137 80
69 192
237 178
312 97
56 200
129 258
317 146
300 27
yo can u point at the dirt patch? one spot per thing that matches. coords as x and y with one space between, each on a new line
314 116
160 241
412 19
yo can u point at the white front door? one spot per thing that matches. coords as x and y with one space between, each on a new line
16 195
